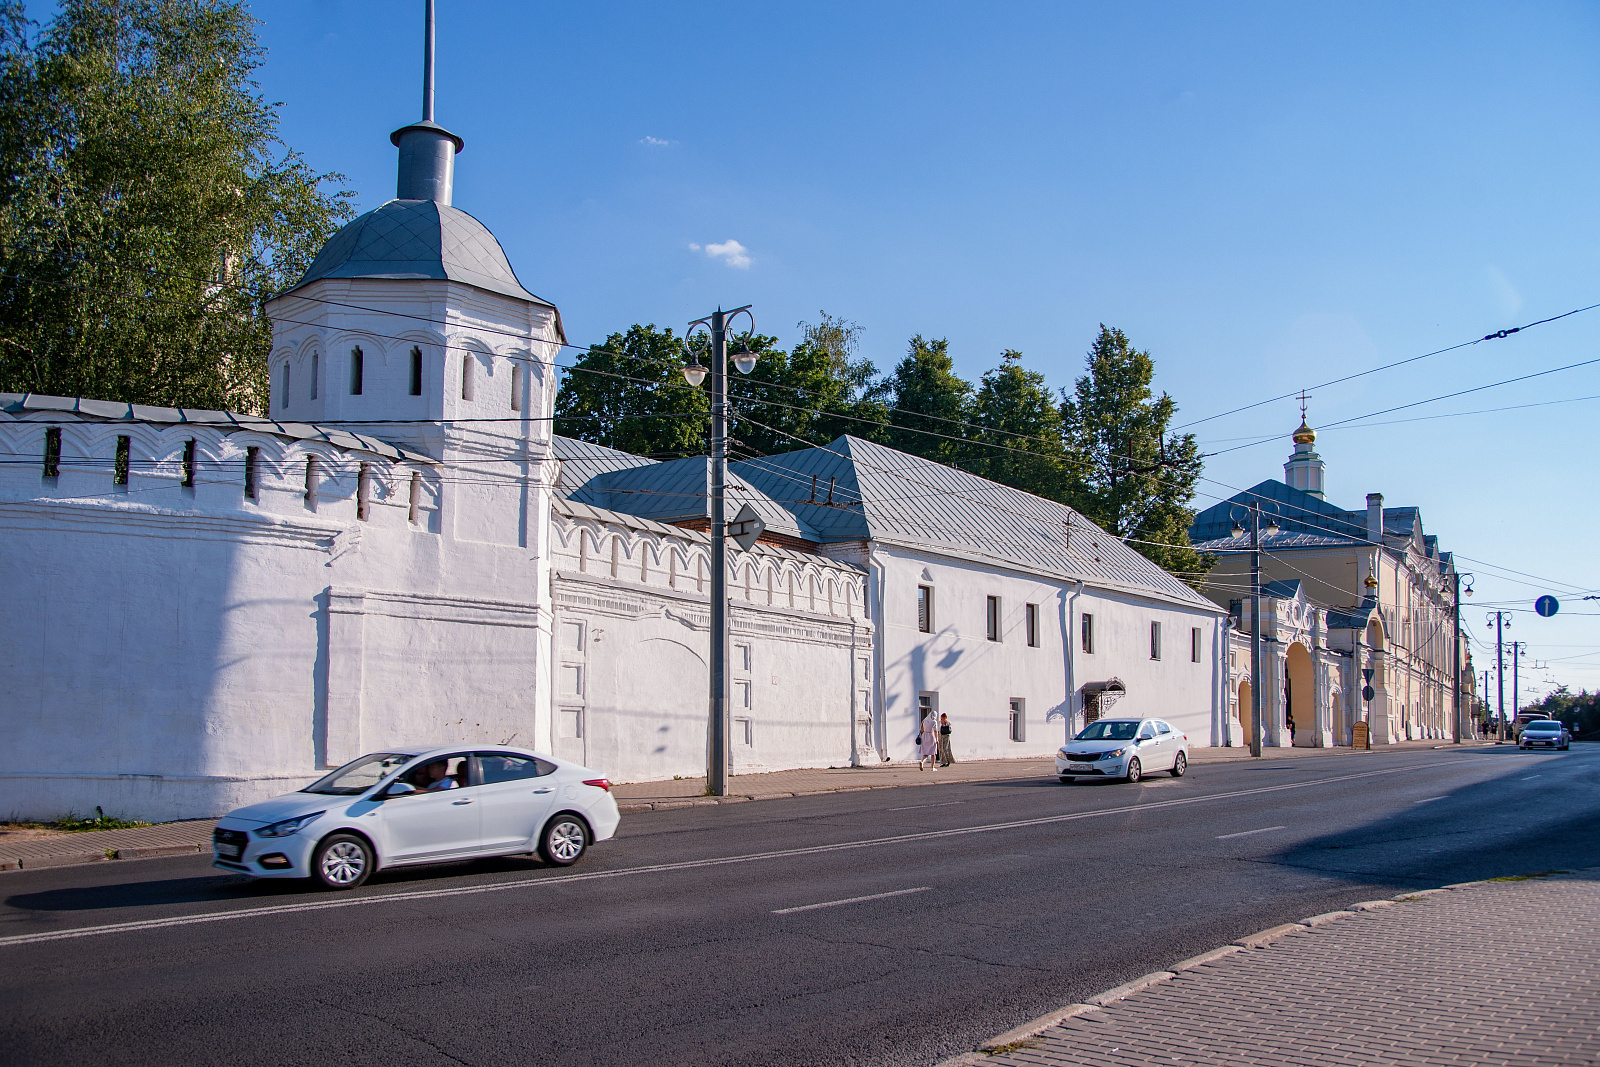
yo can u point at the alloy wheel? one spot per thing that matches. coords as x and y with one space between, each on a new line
344 863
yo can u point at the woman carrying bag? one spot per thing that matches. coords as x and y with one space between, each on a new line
927 741
945 758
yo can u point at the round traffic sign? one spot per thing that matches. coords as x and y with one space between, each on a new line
1367 692
1547 605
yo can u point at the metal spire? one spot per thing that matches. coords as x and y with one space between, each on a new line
427 150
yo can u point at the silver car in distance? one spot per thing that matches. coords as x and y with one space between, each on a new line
394 809
1124 748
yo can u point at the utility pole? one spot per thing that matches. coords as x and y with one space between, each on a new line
1499 620
1517 647
1483 698
717 726
1256 671
1455 653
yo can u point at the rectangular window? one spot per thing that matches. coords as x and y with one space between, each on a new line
356 360
416 372
188 464
283 400
119 466
1194 644
516 388
316 372
311 482
1031 613
1019 720
1155 640
925 608
994 618
252 473
1087 623
52 452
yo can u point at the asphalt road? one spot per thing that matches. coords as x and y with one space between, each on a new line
691 939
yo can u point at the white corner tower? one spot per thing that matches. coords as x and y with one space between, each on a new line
1304 469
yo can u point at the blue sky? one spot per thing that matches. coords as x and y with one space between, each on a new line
1264 196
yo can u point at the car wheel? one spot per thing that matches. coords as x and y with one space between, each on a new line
342 861
1180 765
1135 772
1066 779
563 841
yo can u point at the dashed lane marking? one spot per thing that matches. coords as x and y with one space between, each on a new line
1425 800
851 900
1247 833
946 804
547 881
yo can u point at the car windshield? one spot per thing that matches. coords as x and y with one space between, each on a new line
1109 731
1543 724
360 775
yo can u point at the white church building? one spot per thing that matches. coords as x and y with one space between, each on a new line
210 607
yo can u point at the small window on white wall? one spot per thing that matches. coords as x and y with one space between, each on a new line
1155 640
316 372
993 622
283 398
1032 615
925 608
516 388
1194 644
466 377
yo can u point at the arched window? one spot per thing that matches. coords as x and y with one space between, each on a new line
356 361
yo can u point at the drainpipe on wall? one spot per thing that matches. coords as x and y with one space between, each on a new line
1070 648
879 702
850 674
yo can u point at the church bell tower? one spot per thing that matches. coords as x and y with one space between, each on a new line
1304 469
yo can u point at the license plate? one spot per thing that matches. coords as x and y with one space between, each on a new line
1079 767
228 852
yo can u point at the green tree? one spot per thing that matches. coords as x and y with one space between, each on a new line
809 395
1126 471
629 393
147 205
925 382
1019 440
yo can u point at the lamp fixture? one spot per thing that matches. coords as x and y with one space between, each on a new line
1238 529
744 361
694 373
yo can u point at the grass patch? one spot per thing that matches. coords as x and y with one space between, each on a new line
73 823
1001 1050
1524 877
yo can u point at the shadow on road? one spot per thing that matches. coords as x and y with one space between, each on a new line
228 888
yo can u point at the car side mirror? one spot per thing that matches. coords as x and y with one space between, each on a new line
396 789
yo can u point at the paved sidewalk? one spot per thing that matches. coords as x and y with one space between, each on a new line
30 849
1499 972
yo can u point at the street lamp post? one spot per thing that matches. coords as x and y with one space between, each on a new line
717 726
1256 530
1517 648
1500 621
1455 655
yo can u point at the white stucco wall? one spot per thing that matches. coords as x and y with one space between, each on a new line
973 679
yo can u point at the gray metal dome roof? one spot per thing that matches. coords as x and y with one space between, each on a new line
419 239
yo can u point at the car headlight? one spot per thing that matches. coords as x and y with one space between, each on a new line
1114 755
288 826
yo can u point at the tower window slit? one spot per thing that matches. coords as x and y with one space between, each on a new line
416 495
311 481
357 359
516 388
120 465
52 452
316 372
364 493
188 464
466 377
252 473
416 372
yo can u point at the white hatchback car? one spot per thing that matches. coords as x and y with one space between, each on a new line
393 809
1124 748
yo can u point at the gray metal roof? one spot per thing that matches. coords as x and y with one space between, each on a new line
582 462
887 495
22 404
580 510
675 491
418 239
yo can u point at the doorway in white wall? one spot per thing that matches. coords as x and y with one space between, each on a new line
1019 719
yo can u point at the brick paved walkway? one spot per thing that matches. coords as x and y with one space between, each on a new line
1487 973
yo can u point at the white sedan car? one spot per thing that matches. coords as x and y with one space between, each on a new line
1124 748
393 809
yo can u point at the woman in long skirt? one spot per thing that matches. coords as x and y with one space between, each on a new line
927 740
945 758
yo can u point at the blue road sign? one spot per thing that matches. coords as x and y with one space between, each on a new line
1547 605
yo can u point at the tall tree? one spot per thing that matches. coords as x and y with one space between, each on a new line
925 382
147 205
629 393
1019 440
809 395
1128 473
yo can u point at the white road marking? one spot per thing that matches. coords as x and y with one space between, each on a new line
851 900
538 882
1425 800
946 804
1530 778
1247 833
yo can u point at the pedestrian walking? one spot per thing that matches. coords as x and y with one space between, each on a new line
945 758
927 740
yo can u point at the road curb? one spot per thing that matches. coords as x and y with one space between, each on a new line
1020 1035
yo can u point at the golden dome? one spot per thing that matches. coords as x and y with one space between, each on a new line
1305 435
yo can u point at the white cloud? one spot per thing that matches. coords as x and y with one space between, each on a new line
654 142
730 252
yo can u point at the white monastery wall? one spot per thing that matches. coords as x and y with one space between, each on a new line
631 622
